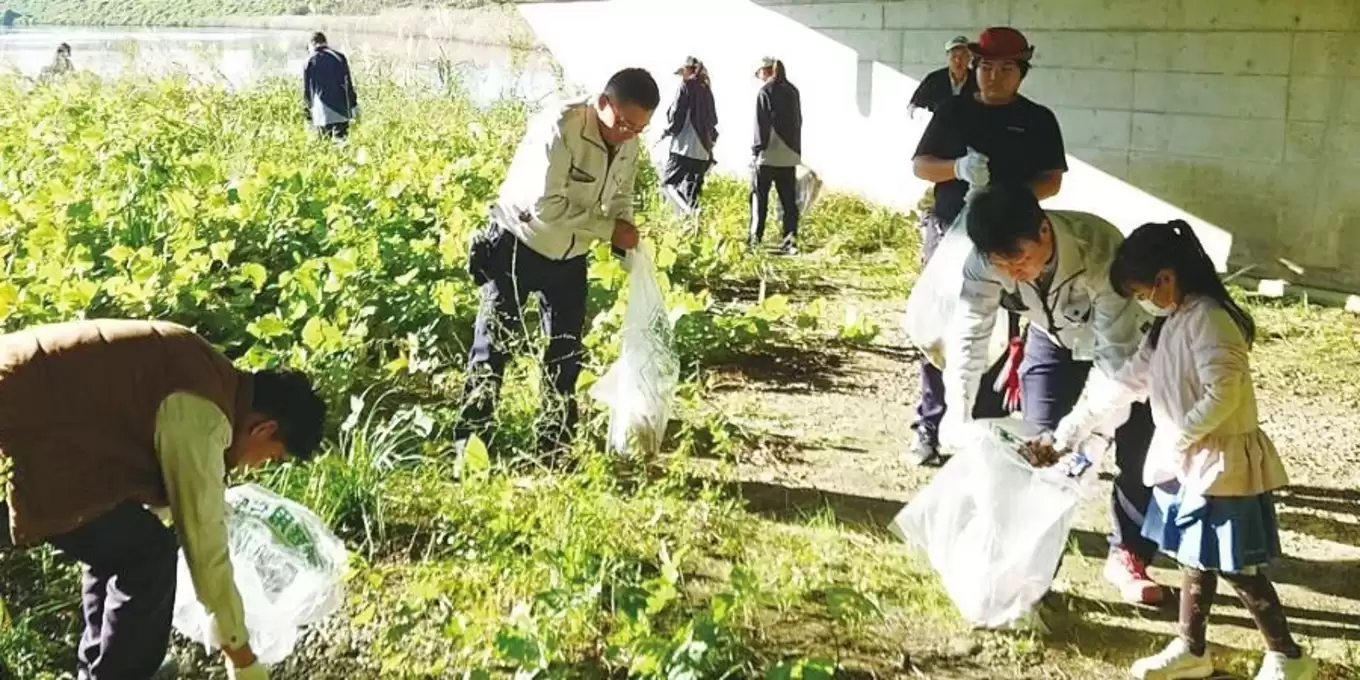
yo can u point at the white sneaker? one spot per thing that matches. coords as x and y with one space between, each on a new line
1173 663
1277 666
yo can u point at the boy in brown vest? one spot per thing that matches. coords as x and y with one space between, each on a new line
102 418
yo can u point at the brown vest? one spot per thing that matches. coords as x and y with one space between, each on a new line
78 405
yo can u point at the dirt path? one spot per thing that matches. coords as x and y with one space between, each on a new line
840 417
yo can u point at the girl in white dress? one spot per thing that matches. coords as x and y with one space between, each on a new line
1212 468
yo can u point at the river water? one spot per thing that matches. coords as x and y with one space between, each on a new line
237 57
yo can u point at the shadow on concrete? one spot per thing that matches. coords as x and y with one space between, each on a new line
1262 213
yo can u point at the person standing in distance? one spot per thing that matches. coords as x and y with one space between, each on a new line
61 63
570 185
778 150
954 80
693 130
328 94
996 134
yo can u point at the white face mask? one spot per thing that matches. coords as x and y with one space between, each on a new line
1151 308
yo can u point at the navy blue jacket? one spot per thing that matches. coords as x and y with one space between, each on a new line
327 89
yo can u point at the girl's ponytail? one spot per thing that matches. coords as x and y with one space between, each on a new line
1202 278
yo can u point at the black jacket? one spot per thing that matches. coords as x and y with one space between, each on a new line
779 107
694 103
327 77
937 89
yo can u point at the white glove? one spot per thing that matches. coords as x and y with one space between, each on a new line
1069 435
972 168
255 671
952 431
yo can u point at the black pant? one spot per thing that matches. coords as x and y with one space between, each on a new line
1051 383
516 272
687 176
785 182
128 592
930 409
336 130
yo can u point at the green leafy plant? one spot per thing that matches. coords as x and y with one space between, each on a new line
169 199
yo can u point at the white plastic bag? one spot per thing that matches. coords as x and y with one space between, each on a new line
640 385
993 526
809 190
935 296
289 569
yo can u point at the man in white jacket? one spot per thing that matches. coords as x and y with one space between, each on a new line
1053 269
569 186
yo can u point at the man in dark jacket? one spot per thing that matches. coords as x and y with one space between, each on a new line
693 130
328 94
778 150
954 80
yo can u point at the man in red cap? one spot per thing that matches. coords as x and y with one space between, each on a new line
994 133
999 137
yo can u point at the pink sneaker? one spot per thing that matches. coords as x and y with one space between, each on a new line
1129 575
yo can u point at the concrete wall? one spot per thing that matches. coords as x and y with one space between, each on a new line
1240 115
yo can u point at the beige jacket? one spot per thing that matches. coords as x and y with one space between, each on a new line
1198 381
191 434
565 188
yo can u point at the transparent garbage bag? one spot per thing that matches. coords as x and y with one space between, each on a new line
289 569
639 387
993 526
935 295
809 190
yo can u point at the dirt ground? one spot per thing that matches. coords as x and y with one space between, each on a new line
840 416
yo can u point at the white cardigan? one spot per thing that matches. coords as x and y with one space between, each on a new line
1198 381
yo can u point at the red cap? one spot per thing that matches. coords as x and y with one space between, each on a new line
1002 42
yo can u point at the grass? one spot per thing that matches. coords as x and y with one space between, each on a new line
346 262
483 567
1309 349
192 12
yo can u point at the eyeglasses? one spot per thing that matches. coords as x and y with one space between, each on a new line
624 124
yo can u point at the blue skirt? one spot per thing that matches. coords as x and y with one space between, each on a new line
1213 533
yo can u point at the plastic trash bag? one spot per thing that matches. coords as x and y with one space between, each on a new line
639 387
993 526
935 295
809 190
289 569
